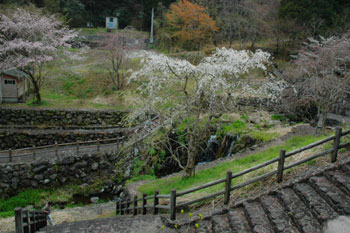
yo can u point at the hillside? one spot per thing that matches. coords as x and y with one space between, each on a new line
197 111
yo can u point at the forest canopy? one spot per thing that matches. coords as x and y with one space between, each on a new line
287 23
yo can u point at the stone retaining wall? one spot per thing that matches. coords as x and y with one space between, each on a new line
78 169
14 139
60 117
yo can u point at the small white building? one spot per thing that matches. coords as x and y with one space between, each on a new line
111 22
14 85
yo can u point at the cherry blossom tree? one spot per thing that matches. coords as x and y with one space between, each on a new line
322 73
179 91
28 40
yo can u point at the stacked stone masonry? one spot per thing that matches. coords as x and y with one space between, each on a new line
21 128
14 139
60 117
53 173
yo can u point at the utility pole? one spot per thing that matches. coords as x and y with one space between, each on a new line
151 40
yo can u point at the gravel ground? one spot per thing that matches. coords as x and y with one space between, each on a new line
88 212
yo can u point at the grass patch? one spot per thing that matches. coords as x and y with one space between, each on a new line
263 136
23 199
278 117
219 171
38 197
140 177
92 31
237 126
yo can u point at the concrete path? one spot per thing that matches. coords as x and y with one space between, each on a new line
26 155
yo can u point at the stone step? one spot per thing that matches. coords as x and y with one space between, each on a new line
238 220
140 224
204 226
346 168
257 217
277 215
341 178
320 208
340 202
300 214
220 223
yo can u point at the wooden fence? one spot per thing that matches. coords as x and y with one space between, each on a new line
33 152
29 221
125 206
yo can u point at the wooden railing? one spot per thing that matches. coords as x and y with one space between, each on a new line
73 146
29 221
125 206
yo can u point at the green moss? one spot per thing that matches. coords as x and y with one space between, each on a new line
152 151
137 166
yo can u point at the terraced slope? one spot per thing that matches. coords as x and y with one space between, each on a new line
304 204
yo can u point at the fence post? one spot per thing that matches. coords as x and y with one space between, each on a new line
37 220
155 202
32 221
144 202
336 144
127 205
10 155
77 147
281 166
228 187
34 153
98 145
173 204
56 149
135 205
120 207
26 220
18 220
44 219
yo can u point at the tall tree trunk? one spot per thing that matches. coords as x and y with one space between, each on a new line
118 81
35 85
230 37
191 160
36 92
252 46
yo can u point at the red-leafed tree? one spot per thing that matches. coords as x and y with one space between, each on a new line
190 24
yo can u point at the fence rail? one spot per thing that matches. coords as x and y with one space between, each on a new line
29 221
34 151
123 206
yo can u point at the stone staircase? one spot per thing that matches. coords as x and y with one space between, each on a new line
304 204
